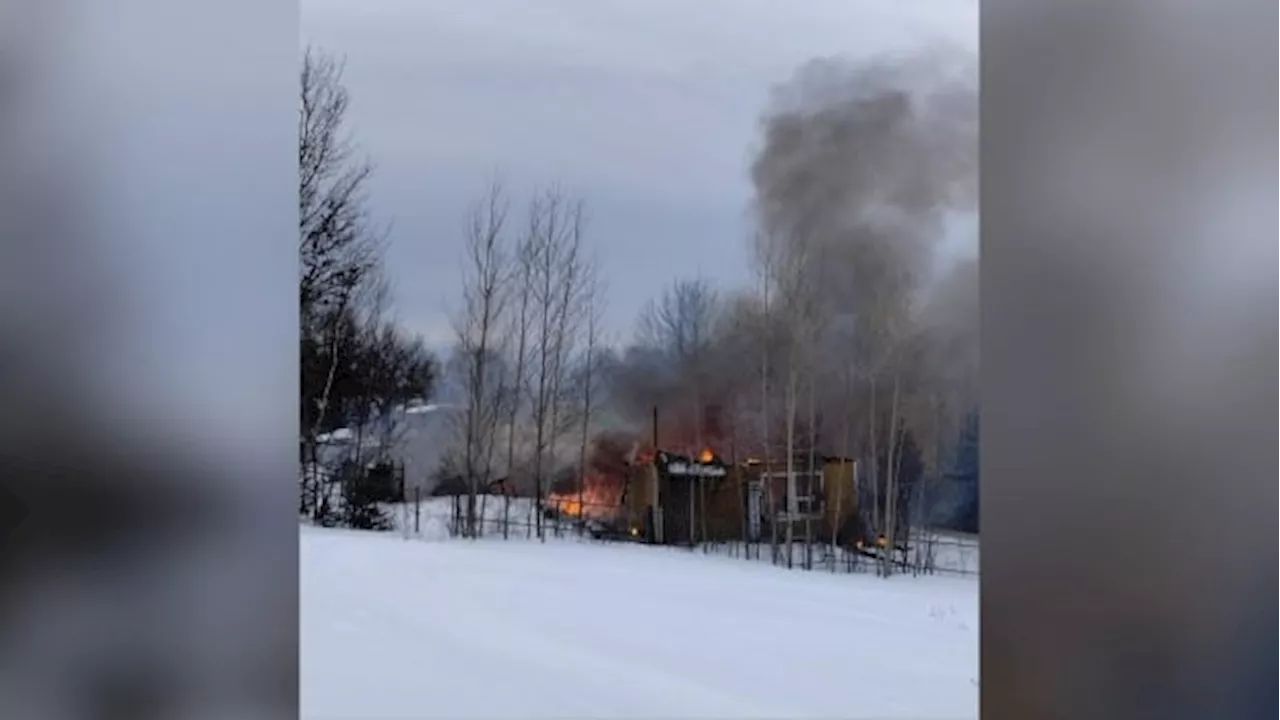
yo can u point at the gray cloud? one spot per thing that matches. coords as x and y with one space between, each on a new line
649 108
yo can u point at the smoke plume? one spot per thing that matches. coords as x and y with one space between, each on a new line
863 162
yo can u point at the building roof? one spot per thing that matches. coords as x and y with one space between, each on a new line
681 466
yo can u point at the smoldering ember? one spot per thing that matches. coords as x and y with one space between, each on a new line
572 463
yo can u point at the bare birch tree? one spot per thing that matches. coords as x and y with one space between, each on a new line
593 303
555 234
518 332
569 316
765 252
486 274
796 281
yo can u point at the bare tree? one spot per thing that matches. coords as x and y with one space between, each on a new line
555 237
765 257
485 294
518 331
795 262
338 244
569 314
339 249
891 297
593 303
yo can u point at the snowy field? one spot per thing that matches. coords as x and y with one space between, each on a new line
953 553
394 627
433 516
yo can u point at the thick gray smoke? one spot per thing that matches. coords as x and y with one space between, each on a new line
862 163
861 167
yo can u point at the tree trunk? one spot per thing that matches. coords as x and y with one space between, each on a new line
317 480
586 430
541 408
474 420
846 442
517 389
813 440
838 509
791 440
738 477
766 481
490 445
558 355
891 491
874 471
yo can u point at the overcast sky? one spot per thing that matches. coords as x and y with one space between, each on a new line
648 109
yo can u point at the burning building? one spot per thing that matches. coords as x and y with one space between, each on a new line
824 505
596 493
685 494
673 498
671 494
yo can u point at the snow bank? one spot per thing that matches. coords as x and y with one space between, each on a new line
393 628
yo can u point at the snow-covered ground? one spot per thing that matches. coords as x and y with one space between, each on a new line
952 552
433 516
394 627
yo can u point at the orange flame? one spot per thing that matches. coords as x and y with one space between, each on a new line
598 500
706 455
567 505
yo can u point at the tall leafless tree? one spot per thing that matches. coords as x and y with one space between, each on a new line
485 295
555 236
795 259
765 260
593 303
518 331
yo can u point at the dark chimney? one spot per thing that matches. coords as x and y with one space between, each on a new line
655 430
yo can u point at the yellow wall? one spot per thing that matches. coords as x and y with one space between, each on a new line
842 498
